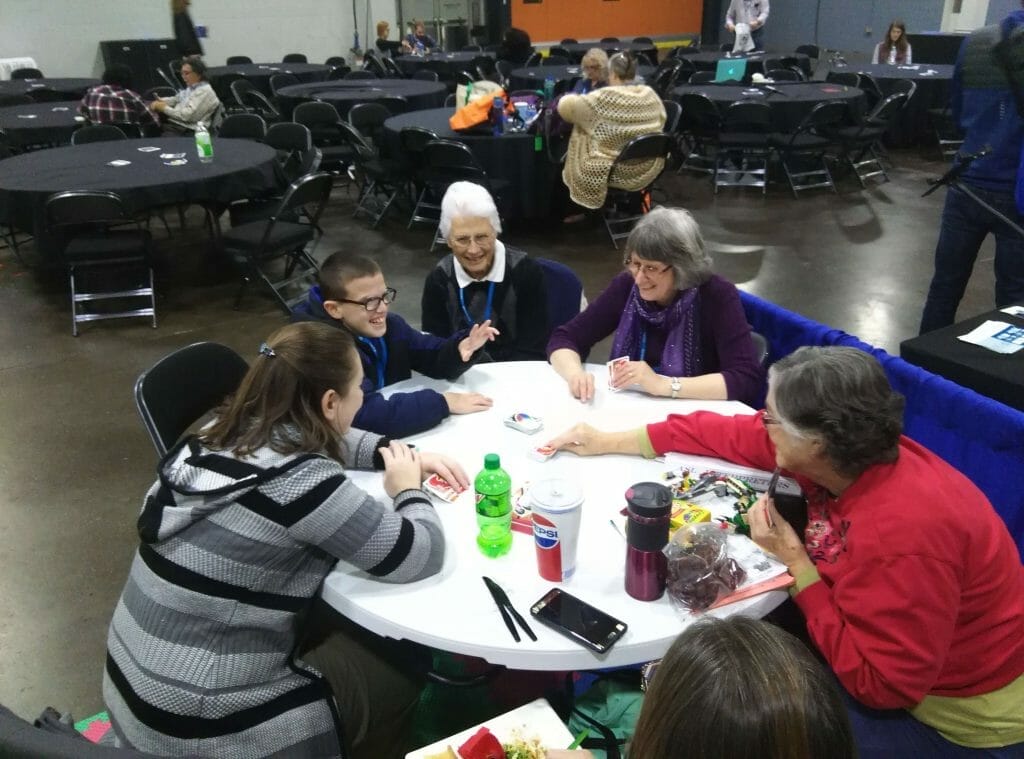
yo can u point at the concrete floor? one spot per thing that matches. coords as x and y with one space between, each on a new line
75 460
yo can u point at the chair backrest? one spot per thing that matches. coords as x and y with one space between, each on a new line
393 69
847 78
747 116
557 60
8 100
288 135
253 100
453 160
373 64
277 81
673 111
396 104
610 40
811 51
560 51
699 114
84 208
369 118
504 68
360 74
414 139
702 77
871 89
886 110
783 75
97 133
644 148
183 387
310 192
26 73
906 87
824 115
569 41
449 100
294 58
235 60
643 41
425 75
245 126
564 291
335 61
761 347
167 79
642 59
315 113
535 59
336 73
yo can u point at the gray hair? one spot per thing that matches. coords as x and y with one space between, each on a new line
623 65
671 236
466 199
598 56
841 397
197 64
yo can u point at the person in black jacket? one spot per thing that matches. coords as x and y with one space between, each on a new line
483 280
515 47
184 30
353 295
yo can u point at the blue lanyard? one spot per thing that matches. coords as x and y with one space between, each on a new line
643 345
487 309
379 348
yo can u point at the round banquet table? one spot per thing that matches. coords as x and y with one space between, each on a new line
788 109
345 93
708 61
67 87
40 123
532 78
578 49
240 169
259 73
447 65
511 157
912 125
453 610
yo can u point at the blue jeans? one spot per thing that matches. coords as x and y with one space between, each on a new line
895 734
965 225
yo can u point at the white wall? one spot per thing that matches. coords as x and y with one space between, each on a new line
64 35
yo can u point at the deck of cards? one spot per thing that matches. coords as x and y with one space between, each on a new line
438 486
542 452
620 361
524 422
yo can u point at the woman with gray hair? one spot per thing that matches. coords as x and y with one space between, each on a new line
595 72
910 583
680 327
483 279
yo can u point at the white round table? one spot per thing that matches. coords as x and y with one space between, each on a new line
453 611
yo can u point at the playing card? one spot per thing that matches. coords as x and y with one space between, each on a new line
542 452
438 486
611 370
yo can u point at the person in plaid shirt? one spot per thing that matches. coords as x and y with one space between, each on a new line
114 102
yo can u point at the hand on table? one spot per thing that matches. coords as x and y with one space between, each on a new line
780 539
402 468
582 439
581 385
445 466
478 337
635 373
467 403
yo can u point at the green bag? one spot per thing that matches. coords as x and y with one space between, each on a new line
609 708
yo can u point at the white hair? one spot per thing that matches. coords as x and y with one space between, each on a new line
466 199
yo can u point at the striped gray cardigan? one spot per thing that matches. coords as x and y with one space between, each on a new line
200 653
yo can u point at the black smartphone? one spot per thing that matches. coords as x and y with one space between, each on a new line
578 620
773 483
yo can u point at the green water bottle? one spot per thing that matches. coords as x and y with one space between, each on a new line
493 508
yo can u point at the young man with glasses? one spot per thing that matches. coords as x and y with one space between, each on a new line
352 294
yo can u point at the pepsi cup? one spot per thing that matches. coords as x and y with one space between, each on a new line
556 505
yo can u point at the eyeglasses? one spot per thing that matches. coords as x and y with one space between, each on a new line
464 241
372 304
592 67
651 270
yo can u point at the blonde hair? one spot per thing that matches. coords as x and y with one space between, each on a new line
600 57
382 26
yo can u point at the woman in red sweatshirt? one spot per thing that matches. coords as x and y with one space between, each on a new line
911 585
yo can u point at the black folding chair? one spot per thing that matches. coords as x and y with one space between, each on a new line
369 119
360 74
743 146
672 113
237 60
860 142
379 180
277 81
425 75
294 58
183 387
285 235
97 133
414 140
802 151
243 126
645 148
253 101
699 125
557 60
535 59
783 75
322 120
702 77
26 73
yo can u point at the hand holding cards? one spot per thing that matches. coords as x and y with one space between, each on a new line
438 486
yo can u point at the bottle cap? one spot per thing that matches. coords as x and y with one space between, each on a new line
492 461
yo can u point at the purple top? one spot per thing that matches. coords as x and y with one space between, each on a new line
725 343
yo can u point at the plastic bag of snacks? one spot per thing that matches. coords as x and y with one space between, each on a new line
700 570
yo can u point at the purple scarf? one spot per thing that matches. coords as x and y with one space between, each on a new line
681 356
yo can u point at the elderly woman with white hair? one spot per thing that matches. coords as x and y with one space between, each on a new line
484 279
681 327
595 72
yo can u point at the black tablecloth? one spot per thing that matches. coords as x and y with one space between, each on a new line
511 157
447 65
240 168
533 78
259 73
70 88
50 123
345 93
912 125
755 63
997 375
579 49
788 109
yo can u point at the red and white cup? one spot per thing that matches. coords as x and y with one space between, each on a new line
557 506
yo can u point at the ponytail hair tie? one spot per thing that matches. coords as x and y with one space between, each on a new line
267 351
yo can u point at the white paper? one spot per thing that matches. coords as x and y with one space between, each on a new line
996 336
1013 310
148 149
118 162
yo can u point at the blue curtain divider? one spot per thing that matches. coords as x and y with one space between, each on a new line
981 437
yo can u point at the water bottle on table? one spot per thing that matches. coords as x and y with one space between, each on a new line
498 116
204 145
493 508
549 89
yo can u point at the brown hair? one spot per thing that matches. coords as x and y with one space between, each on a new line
339 269
901 43
278 403
742 687
179 6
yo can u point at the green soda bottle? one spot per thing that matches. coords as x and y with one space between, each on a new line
493 508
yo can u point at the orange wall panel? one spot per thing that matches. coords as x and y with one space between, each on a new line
586 19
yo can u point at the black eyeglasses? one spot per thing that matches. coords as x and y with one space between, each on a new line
372 304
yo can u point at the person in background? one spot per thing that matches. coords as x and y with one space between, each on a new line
483 280
681 325
219 645
739 687
114 102
418 39
911 585
516 47
195 104
894 49
353 295
983 104
396 47
603 122
595 72
754 13
184 30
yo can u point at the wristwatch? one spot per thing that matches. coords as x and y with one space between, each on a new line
676 386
